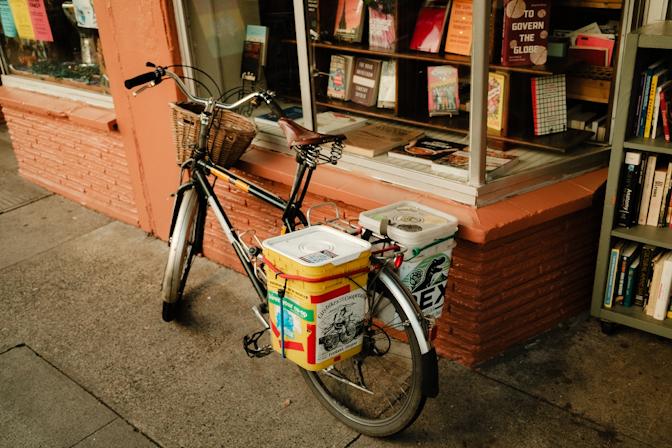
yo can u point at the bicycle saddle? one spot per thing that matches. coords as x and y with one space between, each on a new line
298 135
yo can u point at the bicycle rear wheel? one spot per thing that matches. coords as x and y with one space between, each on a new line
379 391
180 255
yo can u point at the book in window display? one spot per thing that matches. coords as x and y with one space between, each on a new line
458 39
425 150
340 77
498 99
525 32
442 90
378 138
457 163
366 81
349 23
430 26
249 68
549 104
382 24
387 92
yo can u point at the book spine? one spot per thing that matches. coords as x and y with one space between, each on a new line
645 104
638 109
656 198
656 115
611 278
534 105
631 282
625 215
622 274
664 110
646 188
641 289
663 299
666 197
649 108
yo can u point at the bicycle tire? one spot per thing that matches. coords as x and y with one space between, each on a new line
359 410
180 255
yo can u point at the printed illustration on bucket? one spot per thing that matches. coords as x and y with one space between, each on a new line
316 296
429 236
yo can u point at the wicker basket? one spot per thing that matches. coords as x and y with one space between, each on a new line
229 136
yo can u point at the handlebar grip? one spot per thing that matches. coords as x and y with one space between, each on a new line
142 79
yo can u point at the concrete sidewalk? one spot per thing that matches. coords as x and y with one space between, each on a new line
85 359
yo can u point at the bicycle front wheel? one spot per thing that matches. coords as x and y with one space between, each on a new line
180 255
378 392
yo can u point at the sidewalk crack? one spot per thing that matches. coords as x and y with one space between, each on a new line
92 433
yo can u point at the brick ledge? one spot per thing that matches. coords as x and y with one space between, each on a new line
79 113
478 225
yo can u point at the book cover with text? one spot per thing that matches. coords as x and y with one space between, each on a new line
525 32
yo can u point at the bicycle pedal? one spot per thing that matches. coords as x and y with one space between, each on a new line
251 345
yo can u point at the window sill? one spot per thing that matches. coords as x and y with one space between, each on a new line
477 224
83 114
61 91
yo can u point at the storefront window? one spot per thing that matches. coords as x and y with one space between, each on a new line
52 40
244 45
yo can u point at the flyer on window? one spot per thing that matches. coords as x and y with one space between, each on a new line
40 21
86 16
8 27
24 26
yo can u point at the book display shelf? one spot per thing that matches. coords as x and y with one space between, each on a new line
585 83
649 43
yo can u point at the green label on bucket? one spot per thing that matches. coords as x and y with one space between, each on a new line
292 307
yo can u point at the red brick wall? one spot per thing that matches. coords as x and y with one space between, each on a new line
507 291
83 164
248 212
499 294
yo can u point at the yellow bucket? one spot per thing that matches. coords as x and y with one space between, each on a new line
316 294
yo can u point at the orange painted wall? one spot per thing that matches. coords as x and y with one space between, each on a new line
133 32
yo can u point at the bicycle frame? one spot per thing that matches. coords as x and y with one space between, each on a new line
291 208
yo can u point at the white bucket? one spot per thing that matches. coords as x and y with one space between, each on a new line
429 235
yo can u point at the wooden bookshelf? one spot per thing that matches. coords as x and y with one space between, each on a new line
553 67
633 61
559 142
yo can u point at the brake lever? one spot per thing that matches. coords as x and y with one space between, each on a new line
141 89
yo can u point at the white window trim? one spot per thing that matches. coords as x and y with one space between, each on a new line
48 88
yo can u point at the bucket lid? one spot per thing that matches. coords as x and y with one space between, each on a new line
317 246
409 223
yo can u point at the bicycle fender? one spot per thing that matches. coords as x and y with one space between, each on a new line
178 201
430 365
411 309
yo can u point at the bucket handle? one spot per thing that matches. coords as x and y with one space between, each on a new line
418 250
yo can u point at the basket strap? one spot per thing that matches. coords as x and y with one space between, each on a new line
279 273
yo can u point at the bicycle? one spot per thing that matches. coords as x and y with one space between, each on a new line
380 391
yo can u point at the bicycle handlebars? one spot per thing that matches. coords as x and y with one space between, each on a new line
150 79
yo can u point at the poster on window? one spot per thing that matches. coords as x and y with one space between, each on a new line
86 16
21 15
8 27
40 21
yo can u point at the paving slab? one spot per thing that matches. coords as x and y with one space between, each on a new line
93 304
39 406
474 411
623 380
118 433
15 192
42 225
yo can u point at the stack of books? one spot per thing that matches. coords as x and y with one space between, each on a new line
640 276
653 109
645 191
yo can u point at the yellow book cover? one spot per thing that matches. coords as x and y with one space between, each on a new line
652 102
